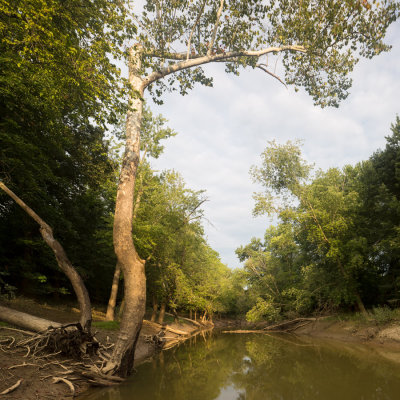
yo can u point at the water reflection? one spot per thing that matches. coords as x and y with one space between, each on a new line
261 367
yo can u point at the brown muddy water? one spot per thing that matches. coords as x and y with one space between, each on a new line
262 367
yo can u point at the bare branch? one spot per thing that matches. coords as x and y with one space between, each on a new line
194 28
263 67
13 387
214 34
57 379
200 59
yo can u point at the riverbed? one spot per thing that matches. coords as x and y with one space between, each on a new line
216 366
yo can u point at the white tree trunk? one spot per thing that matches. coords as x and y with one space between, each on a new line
121 361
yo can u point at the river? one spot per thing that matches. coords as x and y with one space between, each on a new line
262 367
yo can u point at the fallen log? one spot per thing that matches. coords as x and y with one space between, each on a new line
187 319
166 328
25 321
288 326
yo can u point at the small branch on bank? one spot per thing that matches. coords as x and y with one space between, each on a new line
187 319
23 365
57 379
29 333
289 326
245 331
11 388
166 328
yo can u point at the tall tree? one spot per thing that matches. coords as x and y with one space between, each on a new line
58 89
319 41
153 132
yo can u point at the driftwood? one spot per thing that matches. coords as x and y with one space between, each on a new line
11 388
187 319
57 379
28 333
166 328
289 326
245 331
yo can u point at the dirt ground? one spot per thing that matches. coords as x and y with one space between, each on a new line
50 377
352 331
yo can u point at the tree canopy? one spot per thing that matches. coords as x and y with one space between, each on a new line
335 244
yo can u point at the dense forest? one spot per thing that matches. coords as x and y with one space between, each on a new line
336 244
77 140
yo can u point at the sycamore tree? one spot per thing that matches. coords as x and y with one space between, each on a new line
317 44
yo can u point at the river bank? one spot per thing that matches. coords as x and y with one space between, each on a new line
49 377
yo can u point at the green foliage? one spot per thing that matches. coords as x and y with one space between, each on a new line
106 325
327 38
263 310
384 315
6 291
59 87
335 245
182 270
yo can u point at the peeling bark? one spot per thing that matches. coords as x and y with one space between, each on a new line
121 361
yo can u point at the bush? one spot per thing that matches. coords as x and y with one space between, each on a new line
383 315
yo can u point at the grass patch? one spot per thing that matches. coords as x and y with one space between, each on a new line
378 315
106 325
4 323
384 315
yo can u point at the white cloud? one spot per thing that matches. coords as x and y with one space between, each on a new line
223 130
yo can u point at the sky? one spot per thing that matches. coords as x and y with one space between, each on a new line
223 130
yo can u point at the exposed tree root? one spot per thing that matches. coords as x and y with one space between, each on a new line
57 379
29 333
70 340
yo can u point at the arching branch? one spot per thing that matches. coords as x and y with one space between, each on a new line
200 60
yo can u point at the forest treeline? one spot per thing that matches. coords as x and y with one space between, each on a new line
335 246
62 95
76 196
336 243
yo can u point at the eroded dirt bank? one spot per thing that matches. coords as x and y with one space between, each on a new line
50 377
45 377
352 331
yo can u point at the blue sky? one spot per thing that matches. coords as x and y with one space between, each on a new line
223 130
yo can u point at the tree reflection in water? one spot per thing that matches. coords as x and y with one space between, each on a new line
261 367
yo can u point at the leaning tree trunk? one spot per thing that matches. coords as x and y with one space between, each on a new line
121 360
63 262
110 314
